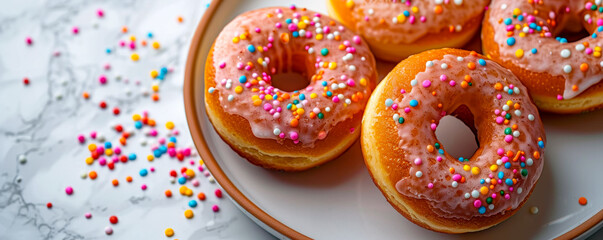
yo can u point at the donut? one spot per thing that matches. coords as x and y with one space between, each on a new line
561 76
398 29
412 168
300 128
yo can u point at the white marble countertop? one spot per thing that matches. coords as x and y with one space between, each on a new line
40 155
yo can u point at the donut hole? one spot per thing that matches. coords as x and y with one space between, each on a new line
455 135
573 33
294 72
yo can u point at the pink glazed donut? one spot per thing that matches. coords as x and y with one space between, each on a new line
288 130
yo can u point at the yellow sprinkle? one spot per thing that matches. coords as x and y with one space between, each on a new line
260 60
109 152
293 108
136 117
509 102
169 125
415 9
349 3
155 87
257 102
200 161
155 45
150 158
169 232
268 97
188 214
132 38
519 53
238 89
313 95
332 65
522 34
302 25
319 36
363 81
190 173
182 190
474 170
154 73
597 54
466 167
235 39
134 57
597 49
243 36
484 190
401 18
493 168
516 11
300 111
188 192
89 160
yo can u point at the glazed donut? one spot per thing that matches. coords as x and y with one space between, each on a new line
410 166
398 29
562 76
274 128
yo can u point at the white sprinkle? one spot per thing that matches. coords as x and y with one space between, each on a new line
429 64
534 210
444 66
475 193
503 6
347 57
467 195
363 59
531 117
211 179
458 2
519 190
516 90
316 110
419 174
498 162
565 53
491 206
396 117
395 20
505 107
516 134
460 59
341 85
529 162
455 184
83 175
586 17
371 11
517 112
348 101
506 88
458 28
438 1
230 97
414 82
598 2
330 36
327 109
276 131
580 47
211 90
310 50
352 68
22 159
567 69
334 86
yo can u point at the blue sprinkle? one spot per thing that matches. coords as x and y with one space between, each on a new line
389 102
143 172
406 13
511 41
600 29
509 182
461 159
510 92
243 79
534 50
482 62
520 18
251 48
501 175
150 35
192 203
173 139
594 35
288 20
132 156
541 144
295 34
324 51
324 83
507 165
108 51
157 153
182 180
533 25
539 28
163 70
295 101
138 124
482 210
163 149
508 21
107 145
441 151
413 103
329 94
482 181
289 106
211 90
523 165
302 97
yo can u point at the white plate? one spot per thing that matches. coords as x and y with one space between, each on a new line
339 200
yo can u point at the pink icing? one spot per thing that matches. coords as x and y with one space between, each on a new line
261 43
398 28
548 57
458 193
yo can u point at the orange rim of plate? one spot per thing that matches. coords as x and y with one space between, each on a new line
196 130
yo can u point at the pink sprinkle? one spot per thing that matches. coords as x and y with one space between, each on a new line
223 64
500 151
456 177
88 215
102 161
117 150
81 138
426 83
132 45
452 83
559 97
69 190
100 13
267 106
599 22
322 135
418 161
215 208
75 30
498 96
588 51
434 126
507 196
143 187
438 158
195 182
406 109
335 99
443 77
282 135
422 19
102 79
508 138
152 169
293 135
497 112
351 83
28 40
477 203
352 130
107 66
257 30
430 185
395 106
218 193
292 27
357 39
499 120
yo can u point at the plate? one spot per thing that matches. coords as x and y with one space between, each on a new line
339 200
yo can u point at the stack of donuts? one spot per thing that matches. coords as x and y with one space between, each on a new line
527 65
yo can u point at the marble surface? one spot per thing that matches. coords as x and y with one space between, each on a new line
39 123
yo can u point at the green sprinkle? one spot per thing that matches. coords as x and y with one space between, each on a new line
401 120
324 51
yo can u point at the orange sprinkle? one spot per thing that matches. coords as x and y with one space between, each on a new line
92 175
582 201
180 19
574 87
537 155
510 153
124 29
294 122
155 97
438 9
464 84
584 67
451 170
430 148
467 78
129 179
168 193
86 95
471 65
201 196
115 182
498 86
